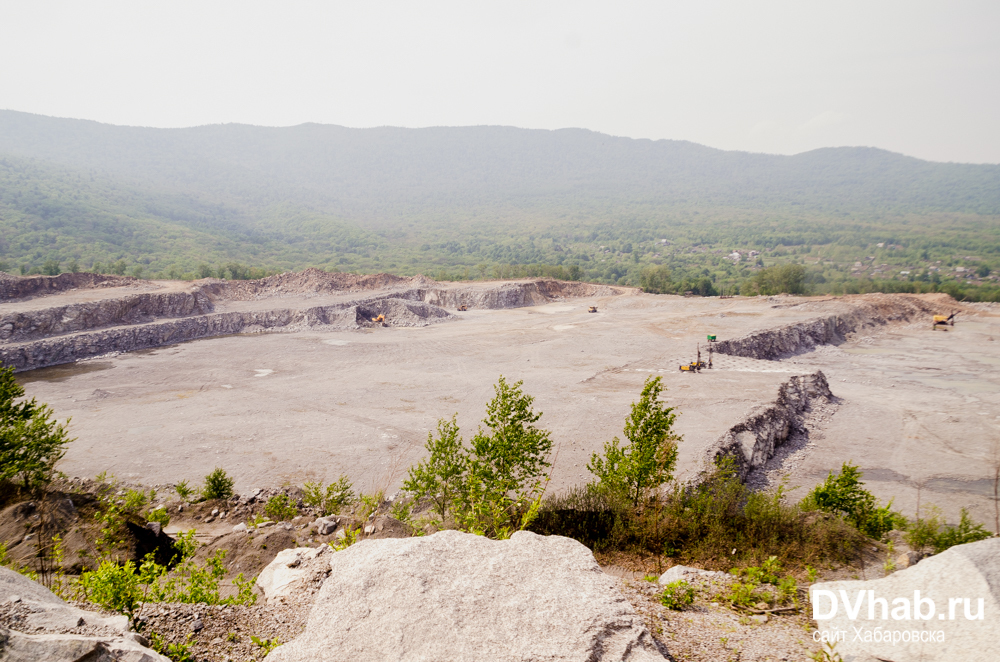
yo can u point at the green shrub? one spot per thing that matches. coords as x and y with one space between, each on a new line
843 494
932 534
159 515
176 652
648 460
218 485
280 507
266 645
494 486
441 476
114 587
31 443
677 595
708 523
134 501
183 490
332 499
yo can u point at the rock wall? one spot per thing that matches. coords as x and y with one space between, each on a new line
752 442
15 287
134 309
73 347
859 313
62 334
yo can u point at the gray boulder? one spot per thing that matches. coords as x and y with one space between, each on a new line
58 632
18 647
458 596
44 610
947 607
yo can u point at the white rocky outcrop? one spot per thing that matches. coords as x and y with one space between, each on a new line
289 568
687 573
58 632
947 607
458 596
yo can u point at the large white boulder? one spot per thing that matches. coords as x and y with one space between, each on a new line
289 569
460 597
946 607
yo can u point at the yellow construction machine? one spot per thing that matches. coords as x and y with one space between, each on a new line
943 320
592 309
698 364
379 320
463 307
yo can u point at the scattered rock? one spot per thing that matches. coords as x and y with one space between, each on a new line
530 597
240 528
154 527
326 525
908 559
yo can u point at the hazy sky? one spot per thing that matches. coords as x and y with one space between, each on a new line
922 78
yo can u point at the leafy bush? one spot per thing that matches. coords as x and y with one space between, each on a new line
30 442
175 651
677 595
493 487
159 515
114 587
441 476
183 490
843 494
218 485
134 501
649 458
331 499
280 507
266 645
933 534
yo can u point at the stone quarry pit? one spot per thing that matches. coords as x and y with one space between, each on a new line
288 379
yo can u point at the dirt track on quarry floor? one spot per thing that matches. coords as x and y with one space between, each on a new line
917 409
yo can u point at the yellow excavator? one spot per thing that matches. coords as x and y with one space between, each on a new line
463 307
592 309
942 320
379 320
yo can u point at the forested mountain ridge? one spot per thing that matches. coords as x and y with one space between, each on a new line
383 174
473 202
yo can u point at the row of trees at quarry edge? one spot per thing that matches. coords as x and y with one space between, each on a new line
494 485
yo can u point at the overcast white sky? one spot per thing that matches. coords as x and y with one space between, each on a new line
921 78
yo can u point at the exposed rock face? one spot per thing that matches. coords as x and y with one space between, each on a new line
69 348
752 442
928 627
50 629
461 597
15 287
135 309
859 313
63 334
